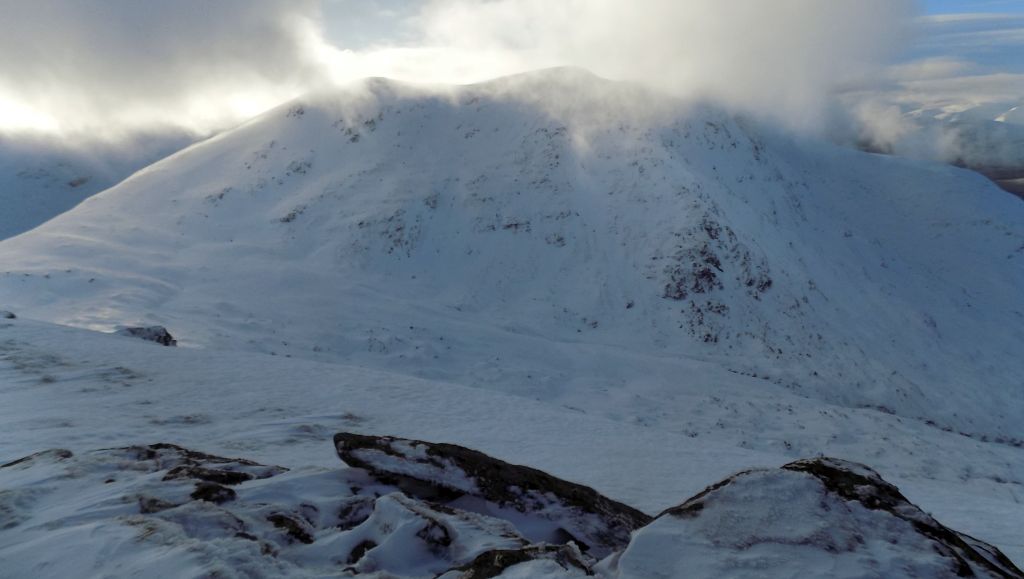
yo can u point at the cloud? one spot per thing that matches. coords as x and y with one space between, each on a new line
964 60
86 64
865 72
954 97
992 41
91 65
929 68
780 59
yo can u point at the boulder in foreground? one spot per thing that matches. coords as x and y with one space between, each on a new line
547 509
420 509
811 518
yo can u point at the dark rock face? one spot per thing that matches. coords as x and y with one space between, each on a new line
52 454
359 551
212 492
210 473
448 473
354 512
215 476
293 527
703 265
182 463
158 334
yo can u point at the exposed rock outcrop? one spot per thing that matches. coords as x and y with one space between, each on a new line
181 463
51 455
418 509
559 511
158 334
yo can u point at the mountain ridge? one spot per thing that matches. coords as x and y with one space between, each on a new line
473 235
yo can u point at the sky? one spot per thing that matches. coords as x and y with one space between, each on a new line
114 67
973 6
376 18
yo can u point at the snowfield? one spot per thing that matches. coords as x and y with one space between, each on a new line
553 269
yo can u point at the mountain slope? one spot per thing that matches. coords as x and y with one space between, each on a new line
562 237
42 177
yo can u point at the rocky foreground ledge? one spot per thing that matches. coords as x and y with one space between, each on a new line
408 508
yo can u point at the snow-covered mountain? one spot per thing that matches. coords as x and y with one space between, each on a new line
497 265
1013 115
487 236
42 177
985 138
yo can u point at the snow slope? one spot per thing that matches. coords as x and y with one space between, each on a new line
545 235
42 177
104 392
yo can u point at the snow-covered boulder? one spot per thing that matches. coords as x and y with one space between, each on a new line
544 508
6 315
418 509
182 463
409 537
188 513
158 334
812 518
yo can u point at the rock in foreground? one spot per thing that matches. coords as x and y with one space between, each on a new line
548 509
811 518
418 509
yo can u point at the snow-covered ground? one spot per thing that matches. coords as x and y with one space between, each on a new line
559 271
83 391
